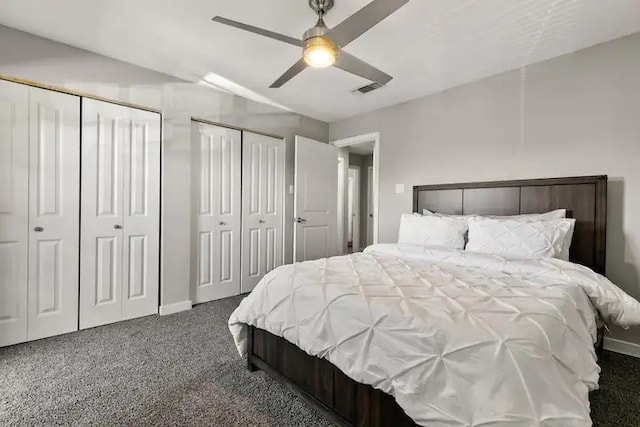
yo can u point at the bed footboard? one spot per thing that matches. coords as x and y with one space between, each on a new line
324 386
321 384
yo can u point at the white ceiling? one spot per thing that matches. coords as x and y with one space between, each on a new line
427 45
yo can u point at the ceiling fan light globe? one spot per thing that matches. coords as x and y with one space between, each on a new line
319 52
319 58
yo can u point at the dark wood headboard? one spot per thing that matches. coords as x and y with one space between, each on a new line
584 198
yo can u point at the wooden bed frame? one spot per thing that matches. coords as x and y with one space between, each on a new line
349 403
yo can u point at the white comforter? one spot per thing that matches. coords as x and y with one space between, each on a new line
458 338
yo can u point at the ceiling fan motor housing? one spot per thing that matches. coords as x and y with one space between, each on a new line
319 30
321 7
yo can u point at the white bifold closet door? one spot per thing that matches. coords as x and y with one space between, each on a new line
119 248
262 206
216 180
14 211
39 191
54 218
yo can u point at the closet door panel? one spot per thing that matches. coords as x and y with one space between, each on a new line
252 230
263 184
104 136
227 206
141 244
217 156
272 249
54 139
14 178
273 203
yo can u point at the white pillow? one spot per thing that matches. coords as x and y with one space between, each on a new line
555 214
432 231
519 239
551 215
566 243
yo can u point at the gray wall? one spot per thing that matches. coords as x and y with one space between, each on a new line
30 57
578 114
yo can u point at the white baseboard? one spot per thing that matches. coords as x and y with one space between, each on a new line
175 308
623 347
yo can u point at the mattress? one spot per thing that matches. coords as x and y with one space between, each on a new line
458 338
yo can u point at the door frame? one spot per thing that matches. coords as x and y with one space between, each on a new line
355 225
343 173
369 205
358 139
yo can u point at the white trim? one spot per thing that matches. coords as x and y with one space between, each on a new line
623 347
343 176
370 205
353 140
358 139
175 307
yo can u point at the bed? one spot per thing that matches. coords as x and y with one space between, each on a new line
351 399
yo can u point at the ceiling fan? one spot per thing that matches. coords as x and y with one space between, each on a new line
322 46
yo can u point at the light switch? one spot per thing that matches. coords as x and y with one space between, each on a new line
291 189
399 188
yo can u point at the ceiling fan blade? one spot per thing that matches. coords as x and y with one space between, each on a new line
257 30
363 20
290 73
360 68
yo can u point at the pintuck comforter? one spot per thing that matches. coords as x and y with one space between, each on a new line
458 338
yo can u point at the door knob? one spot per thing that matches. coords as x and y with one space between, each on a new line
299 220
223 223
261 221
117 226
38 229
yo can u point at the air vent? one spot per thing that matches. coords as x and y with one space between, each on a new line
367 88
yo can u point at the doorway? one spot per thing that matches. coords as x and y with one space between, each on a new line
357 192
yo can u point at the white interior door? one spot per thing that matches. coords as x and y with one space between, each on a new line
14 190
54 144
262 206
217 156
119 246
315 201
103 139
369 205
141 213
